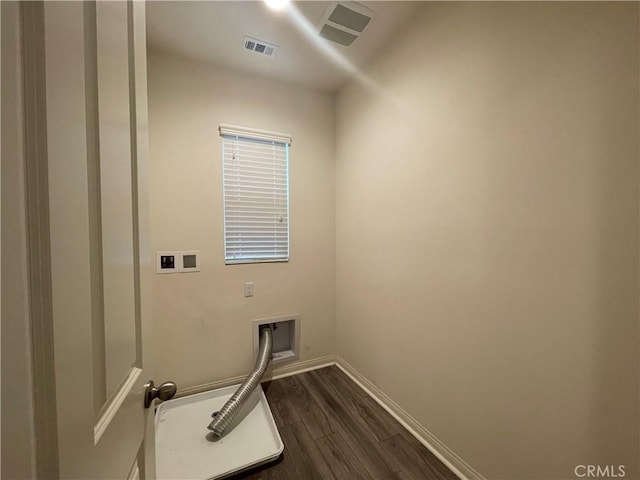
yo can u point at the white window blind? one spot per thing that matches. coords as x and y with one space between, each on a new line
256 195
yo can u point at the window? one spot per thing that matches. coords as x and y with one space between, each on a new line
256 195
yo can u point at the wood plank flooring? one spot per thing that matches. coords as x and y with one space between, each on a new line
332 430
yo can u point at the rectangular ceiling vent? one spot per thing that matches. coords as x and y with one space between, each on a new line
343 22
259 46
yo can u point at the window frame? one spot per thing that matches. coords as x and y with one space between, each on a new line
230 133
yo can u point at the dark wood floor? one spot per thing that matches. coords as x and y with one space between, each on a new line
332 429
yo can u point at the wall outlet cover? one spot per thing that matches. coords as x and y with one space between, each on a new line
178 261
189 261
166 262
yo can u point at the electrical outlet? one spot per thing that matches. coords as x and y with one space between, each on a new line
177 262
189 261
166 262
248 289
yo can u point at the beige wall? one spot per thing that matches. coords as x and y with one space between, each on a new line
202 323
487 232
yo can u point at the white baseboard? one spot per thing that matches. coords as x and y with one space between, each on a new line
461 468
287 370
447 456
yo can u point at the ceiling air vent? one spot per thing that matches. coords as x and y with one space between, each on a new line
343 22
258 46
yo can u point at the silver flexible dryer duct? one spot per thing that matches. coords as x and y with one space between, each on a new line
223 418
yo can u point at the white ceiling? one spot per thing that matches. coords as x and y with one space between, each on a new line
214 31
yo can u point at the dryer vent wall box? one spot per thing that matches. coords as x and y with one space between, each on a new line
286 337
178 262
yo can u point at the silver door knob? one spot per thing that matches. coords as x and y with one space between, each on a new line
164 392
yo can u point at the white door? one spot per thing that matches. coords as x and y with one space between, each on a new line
95 88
